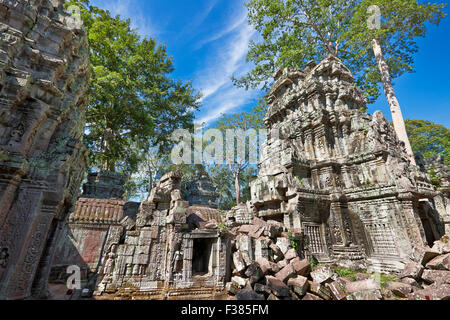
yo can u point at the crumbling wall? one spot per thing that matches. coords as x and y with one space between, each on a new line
158 257
43 95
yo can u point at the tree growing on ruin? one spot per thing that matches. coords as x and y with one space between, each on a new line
376 39
134 102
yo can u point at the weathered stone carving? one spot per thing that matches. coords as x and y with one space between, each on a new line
167 254
43 95
201 191
338 174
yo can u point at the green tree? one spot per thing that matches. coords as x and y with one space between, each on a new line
240 167
390 28
429 139
134 102
293 32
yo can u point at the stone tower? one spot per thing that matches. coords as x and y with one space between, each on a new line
338 174
44 77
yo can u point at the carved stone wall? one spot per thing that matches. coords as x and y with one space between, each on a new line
167 255
43 95
338 174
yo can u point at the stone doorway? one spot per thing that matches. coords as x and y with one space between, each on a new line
201 256
425 214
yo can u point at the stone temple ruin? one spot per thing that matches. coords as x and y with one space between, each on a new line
340 175
334 186
44 72
333 179
169 249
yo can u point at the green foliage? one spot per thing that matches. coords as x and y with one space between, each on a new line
294 32
429 139
294 243
226 174
134 103
314 264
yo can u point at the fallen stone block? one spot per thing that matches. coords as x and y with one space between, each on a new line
286 273
412 270
320 290
277 254
412 282
268 267
433 292
366 295
441 262
239 262
283 263
232 288
362 285
254 273
284 244
322 274
443 245
249 295
262 289
436 276
337 290
427 254
400 289
299 285
277 287
291 254
310 296
301 267
239 281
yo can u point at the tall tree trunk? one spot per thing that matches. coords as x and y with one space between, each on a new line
397 117
237 187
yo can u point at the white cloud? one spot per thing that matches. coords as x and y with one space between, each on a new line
130 9
219 94
230 59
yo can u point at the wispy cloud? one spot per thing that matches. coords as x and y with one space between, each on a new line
131 9
219 94
230 58
235 24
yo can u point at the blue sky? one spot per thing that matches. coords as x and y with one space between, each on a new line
208 40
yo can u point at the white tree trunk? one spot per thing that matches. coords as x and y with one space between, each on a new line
397 117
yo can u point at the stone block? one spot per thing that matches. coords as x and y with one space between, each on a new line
239 262
441 262
337 290
412 270
277 287
249 295
286 273
436 276
322 274
320 290
301 267
291 254
310 296
400 289
362 285
239 281
299 285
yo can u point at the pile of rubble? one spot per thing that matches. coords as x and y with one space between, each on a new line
267 266
429 279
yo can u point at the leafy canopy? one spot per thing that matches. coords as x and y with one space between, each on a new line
428 138
294 32
134 103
